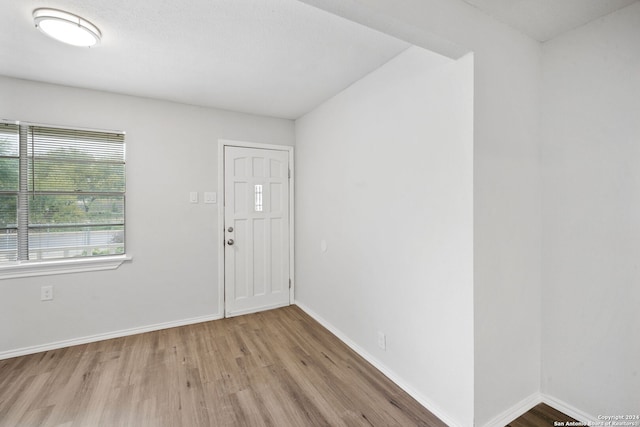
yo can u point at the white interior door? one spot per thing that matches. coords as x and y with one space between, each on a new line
256 217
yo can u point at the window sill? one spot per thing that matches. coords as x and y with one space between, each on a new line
65 266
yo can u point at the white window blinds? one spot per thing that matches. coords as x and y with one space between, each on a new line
9 186
69 197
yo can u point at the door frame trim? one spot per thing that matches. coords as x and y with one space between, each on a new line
222 143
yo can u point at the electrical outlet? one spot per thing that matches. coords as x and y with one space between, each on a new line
46 293
382 340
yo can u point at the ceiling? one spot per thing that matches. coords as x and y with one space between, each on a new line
277 58
546 19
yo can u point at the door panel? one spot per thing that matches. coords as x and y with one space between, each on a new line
256 214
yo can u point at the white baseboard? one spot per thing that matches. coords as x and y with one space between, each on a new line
400 382
106 336
526 404
570 410
515 411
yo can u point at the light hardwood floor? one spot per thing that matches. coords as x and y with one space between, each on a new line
276 368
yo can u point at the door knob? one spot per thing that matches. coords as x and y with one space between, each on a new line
230 242
230 229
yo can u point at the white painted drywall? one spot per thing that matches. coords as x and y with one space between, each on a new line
171 150
385 179
506 184
591 216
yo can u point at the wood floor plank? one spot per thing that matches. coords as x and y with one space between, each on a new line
541 415
275 368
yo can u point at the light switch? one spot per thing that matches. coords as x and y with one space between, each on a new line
210 197
193 197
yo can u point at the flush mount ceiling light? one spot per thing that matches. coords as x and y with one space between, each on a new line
66 27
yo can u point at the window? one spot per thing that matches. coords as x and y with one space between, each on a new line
258 198
62 193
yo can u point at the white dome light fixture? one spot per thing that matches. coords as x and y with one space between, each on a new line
66 27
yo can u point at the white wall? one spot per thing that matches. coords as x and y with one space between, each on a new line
591 216
506 184
171 150
385 178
